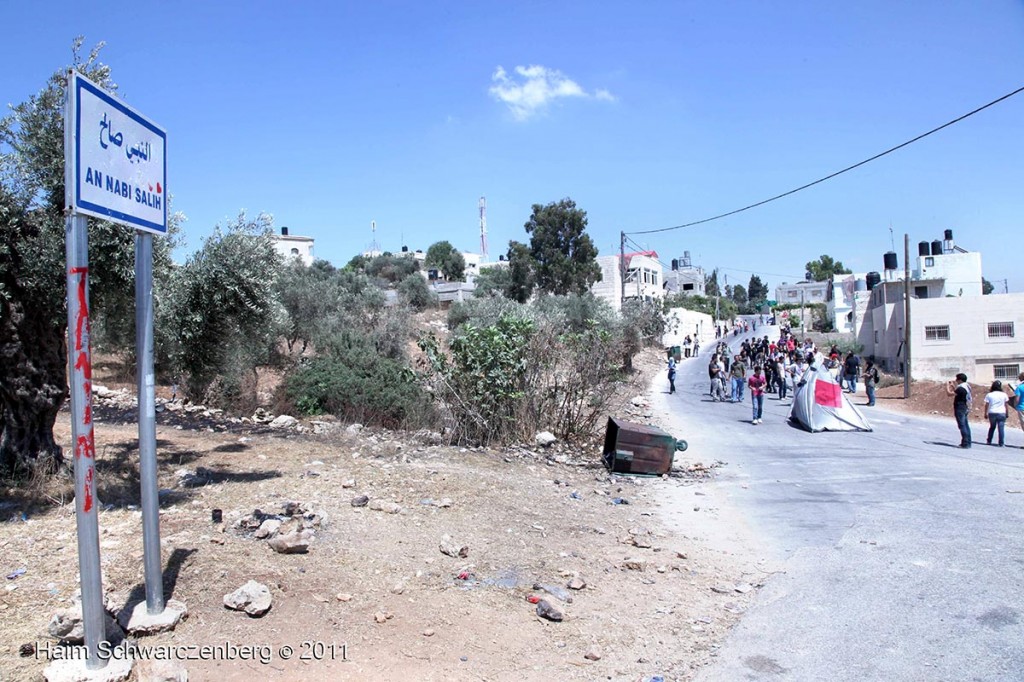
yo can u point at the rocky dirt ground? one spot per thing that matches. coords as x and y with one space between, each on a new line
383 588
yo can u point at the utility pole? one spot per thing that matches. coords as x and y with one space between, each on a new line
906 315
622 264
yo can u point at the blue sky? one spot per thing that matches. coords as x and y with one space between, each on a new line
647 114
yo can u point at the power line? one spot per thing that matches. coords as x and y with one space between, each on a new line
840 172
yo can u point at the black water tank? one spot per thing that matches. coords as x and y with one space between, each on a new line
873 279
405 249
890 261
936 248
922 248
284 231
948 234
675 264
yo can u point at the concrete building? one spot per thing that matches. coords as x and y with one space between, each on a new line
644 278
684 277
954 328
291 246
846 302
977 335
801 293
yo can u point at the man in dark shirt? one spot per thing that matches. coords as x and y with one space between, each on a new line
851 370
961 393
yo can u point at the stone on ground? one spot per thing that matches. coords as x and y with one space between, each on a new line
73 669
252 597
140 622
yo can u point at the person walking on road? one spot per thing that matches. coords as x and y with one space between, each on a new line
738 372
757 383
995 411
671 374
851 369
961 393
870 377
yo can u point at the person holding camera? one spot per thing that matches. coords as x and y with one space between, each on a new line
961 392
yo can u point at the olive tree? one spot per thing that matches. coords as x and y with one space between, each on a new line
223 307
33 318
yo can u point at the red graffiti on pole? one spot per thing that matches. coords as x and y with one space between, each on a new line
85 448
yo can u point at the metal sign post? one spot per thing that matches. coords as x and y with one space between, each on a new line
115 164
147 421
87 516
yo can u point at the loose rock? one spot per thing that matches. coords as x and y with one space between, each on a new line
360 501
292 543
386 507
593 653
268 528
284 422
576 584
545 439
546 610
252 597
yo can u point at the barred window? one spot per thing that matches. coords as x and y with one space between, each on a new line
1004 372
939 333
1000 330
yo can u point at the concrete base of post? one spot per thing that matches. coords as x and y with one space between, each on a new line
74 670
140 622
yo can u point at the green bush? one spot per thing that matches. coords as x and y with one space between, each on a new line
416 293
357 384
482 378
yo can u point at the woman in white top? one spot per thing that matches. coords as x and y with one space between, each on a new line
995 410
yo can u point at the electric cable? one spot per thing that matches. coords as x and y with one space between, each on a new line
839 172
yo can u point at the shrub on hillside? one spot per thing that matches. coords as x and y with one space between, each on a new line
415 292
357 384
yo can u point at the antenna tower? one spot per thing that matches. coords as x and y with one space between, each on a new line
374 246
483 229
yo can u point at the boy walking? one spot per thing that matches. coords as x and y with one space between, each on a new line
757 383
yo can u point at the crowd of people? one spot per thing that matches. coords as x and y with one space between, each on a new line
775 367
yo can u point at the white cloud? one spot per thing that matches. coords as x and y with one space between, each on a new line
533 87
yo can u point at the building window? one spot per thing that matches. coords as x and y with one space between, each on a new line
792 294
688 286
929 262
876 336
1000 330
1005 372
295 252
940 333
920 292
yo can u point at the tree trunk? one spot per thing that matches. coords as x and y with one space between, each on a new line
33 357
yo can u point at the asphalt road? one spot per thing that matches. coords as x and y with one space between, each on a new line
898 556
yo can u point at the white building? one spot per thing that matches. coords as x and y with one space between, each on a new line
684 277
644 278
977 335
801 293
290 246
954 328
847 302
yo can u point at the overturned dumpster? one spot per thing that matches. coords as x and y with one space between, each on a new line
631 448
